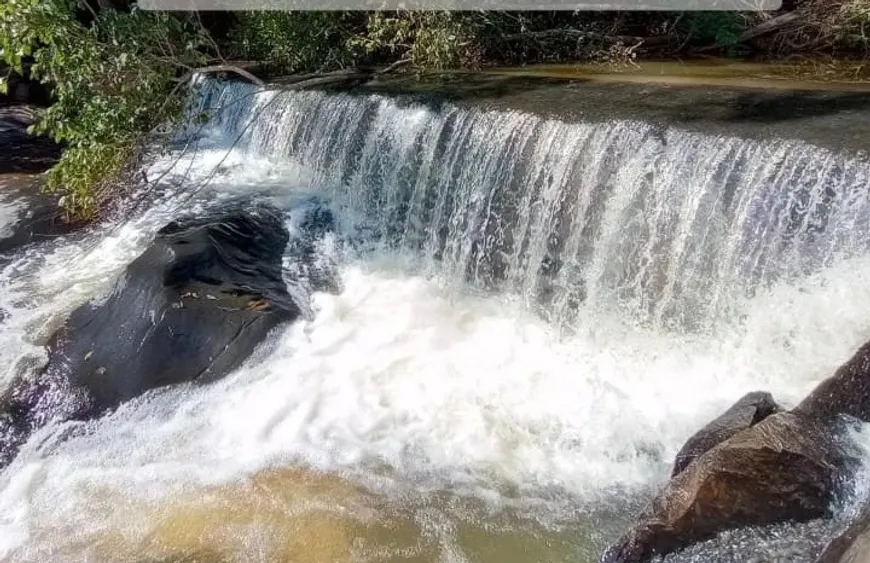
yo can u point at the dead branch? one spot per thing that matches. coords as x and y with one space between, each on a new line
391 67
222 68
581 34
769 26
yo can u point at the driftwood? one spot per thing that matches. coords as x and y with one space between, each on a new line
391 67
222 68
769 26
581 34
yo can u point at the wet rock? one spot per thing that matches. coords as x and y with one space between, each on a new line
192 307
785 468
27 215
748 411
21 152
786 542
852 545
847 392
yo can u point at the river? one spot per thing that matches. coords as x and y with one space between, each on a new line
535 313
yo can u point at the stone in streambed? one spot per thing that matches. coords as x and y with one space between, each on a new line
847 392
748 411
852 545
784 468
192 307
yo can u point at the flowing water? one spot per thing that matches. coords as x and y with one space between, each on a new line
534 316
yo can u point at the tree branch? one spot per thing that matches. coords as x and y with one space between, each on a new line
397 64
222 68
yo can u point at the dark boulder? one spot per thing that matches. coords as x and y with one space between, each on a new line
21 152
748 411
26 214
847 392
192 307
784 468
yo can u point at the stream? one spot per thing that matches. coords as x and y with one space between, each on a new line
534 314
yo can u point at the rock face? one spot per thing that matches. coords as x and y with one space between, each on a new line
26 214
846 392
191 308
748 411
783 468
786 467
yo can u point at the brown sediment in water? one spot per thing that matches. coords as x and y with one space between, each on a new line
296 515
807 76
274 515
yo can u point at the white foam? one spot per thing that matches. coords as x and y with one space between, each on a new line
402 375
448 389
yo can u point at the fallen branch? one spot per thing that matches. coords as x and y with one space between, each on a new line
222 68
768 26
580 34
390 68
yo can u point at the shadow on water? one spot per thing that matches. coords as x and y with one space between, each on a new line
766 107
829 118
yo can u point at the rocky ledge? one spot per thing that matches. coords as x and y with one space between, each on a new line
191 308
757 464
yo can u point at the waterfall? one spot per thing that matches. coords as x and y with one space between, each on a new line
534 316
669 227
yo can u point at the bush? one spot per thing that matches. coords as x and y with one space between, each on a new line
297 41
113 82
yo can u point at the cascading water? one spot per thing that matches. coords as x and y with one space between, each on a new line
534 315
669 226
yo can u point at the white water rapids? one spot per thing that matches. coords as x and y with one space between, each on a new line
534 316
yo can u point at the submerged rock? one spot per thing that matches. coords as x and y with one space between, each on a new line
784 468
786 542
192 307
748 411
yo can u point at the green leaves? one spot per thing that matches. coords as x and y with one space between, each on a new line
110 80
321 41
298 41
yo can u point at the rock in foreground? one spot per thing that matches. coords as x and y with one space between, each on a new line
847 392
191 308
784 468
853 543
748 411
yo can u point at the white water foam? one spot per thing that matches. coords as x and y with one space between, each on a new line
403 381
411 379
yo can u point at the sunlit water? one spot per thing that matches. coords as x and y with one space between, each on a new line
459 400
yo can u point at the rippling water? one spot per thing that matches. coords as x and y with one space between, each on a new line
534 316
